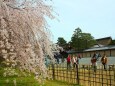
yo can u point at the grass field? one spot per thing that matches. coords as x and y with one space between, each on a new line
58 83
27 81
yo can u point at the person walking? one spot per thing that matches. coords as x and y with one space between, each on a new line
104 61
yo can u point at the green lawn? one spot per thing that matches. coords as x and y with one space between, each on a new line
57 83
30 81
27 81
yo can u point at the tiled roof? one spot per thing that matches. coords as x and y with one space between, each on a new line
103 38
100 48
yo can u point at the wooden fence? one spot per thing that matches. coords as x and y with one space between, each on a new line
83 75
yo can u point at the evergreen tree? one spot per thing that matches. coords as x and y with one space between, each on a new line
81 41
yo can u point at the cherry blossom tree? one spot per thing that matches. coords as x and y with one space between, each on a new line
24 36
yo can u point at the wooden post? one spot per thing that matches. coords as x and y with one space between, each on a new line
53 72
77 73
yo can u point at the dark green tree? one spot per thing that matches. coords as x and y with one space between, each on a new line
81 41
61 42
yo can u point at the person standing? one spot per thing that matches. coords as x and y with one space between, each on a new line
104 61
74 59
78 58
56 56
69 61
93 61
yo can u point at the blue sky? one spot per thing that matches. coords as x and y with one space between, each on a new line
92 16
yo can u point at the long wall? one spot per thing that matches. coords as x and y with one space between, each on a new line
109 53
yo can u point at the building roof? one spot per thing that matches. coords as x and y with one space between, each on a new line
103 38
97 45
100 48
104 41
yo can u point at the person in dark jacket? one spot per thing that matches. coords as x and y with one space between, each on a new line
104 61
93 61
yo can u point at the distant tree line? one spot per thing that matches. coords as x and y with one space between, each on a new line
79 41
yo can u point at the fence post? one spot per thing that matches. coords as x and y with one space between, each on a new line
110 76
102 74
53 72
114 72
77 74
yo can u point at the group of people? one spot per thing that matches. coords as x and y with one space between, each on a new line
104 61
73 60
